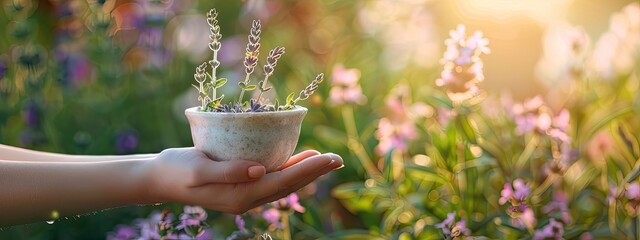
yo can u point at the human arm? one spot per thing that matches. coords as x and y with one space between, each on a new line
32 191
21 154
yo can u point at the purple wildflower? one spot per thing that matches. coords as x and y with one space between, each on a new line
289 202
553 230
632 193
518 209
123 232
192 220
559 205
3 68
32 115
272 216
452 229
126 141
240 223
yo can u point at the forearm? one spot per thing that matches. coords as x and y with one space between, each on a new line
33 191
20 154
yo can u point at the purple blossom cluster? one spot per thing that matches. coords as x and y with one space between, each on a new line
535 116
163 225
271 213
516 195
452 229
553 230
395 131
463 68
632 195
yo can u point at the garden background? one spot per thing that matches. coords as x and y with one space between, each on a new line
535 135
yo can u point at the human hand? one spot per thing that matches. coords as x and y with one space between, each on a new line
188 176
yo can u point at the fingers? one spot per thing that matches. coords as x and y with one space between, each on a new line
236 171
286 191
299 157
296 176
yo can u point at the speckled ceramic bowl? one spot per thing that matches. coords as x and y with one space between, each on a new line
265 137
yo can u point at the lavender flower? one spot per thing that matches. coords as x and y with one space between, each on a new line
126 141
462 64
240 223
452 229
123 232
632 194
251 57
192 220
518 209
287 203
272 61
394 135
345 88
553 230
559 205
272 216
32 115
3 67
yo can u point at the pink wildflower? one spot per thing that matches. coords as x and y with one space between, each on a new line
345 88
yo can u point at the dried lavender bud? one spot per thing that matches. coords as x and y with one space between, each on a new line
200 74
272 60
309 90
251 57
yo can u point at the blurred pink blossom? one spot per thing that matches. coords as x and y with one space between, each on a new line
394 135
272 216
559 205
345 88
600 146
553 230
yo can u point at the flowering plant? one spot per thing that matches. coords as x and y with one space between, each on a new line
209 83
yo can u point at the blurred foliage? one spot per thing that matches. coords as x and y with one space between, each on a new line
113 77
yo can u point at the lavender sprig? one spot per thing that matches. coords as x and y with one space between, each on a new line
200 76
272 61
251 57
214 36
304 94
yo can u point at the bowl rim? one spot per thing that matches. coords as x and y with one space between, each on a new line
296 110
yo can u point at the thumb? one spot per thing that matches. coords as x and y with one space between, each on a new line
236 171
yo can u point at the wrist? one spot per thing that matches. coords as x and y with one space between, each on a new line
143 188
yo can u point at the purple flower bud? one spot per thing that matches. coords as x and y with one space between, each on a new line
126 141
31 115
3 69
123 232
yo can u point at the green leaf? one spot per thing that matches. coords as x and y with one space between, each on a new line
388 167
290 98
221 82
197 88
267 89
250 87
242 85
467 129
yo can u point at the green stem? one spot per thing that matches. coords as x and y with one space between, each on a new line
213 76
286 225
264 84
354 145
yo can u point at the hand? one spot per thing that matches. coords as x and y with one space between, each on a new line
188 176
